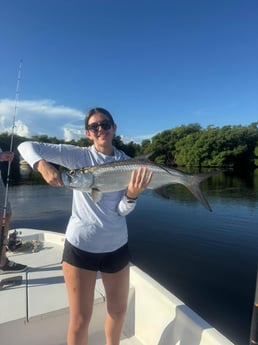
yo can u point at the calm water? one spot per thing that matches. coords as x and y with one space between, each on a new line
209 260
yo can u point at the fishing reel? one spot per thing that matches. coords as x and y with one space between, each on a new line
14 241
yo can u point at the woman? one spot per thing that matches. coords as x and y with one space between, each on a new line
96 235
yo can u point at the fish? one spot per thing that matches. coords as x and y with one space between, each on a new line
115 176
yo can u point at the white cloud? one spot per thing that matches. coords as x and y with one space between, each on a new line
22 129
39 117
45 117
73 133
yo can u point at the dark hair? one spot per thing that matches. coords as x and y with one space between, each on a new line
95 111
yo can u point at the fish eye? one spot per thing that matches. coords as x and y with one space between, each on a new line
72 172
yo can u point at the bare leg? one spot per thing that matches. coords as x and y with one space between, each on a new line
117 288
6 229
80 284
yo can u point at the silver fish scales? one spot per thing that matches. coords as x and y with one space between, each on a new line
115 176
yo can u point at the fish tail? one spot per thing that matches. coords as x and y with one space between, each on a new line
193 184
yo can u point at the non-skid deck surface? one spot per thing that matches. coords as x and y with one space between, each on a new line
39 303
42 287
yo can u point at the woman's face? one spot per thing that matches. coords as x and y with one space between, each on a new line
100 130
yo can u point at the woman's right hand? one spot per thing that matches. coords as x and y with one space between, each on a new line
50 174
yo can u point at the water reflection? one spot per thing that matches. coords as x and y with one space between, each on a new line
227 187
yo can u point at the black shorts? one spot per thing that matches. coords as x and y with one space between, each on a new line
110 262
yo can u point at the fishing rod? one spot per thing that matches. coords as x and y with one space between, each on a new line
2 236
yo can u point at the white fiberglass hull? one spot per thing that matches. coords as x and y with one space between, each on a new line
36 310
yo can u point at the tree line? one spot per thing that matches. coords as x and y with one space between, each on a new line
183 146
192 145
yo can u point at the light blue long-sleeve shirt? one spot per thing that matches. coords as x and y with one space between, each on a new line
94 227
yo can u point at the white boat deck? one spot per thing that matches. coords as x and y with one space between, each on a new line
39 303
36 311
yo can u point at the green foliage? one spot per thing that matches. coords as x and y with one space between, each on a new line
164 144
131 149
186 145
45 139
256 155
230 146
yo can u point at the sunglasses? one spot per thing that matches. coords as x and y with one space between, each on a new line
94 127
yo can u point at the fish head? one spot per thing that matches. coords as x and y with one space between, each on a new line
79 179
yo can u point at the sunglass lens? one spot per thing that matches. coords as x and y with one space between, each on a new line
93 128
104 125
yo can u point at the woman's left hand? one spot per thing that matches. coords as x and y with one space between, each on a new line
140 179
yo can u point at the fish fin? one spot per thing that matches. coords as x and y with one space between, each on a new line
96 195
193 184
193 188
144 157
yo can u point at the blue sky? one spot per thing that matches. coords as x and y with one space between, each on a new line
154 65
